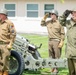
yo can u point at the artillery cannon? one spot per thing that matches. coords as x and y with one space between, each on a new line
25 55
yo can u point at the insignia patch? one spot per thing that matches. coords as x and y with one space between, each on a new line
11 26
12 31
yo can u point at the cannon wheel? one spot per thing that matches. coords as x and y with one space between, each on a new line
16 63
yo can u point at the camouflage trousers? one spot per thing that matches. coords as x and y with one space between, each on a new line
4 57
72 66
54 51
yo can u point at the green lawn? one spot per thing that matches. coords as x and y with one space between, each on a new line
37 39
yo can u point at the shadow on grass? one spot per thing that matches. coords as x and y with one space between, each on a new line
62 71
31 72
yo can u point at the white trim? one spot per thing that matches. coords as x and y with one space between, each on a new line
11 3
30 10
48 10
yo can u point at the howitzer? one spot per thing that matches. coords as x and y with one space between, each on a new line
25 55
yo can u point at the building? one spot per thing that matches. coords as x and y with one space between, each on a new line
27 14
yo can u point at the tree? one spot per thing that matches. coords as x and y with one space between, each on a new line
62 1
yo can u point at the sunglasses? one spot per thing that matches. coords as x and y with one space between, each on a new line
52 14
73 12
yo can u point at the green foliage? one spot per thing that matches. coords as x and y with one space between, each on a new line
62 1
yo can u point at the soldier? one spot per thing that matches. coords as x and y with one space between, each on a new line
7 37
70 24
55 34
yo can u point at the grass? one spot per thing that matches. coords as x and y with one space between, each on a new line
37 39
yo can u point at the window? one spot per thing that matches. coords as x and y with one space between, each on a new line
32 10
48 7
11 9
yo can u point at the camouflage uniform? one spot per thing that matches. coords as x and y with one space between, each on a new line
55 34
7 33
71 43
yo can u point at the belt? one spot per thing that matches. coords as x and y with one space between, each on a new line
53 39
2 42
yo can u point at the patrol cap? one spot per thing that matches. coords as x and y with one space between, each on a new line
54 12
4 11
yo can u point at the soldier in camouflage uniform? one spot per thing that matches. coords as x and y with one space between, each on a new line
7 37
56 35
70 24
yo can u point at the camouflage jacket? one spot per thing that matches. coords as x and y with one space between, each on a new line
71 36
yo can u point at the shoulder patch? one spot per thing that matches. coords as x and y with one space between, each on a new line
11 26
